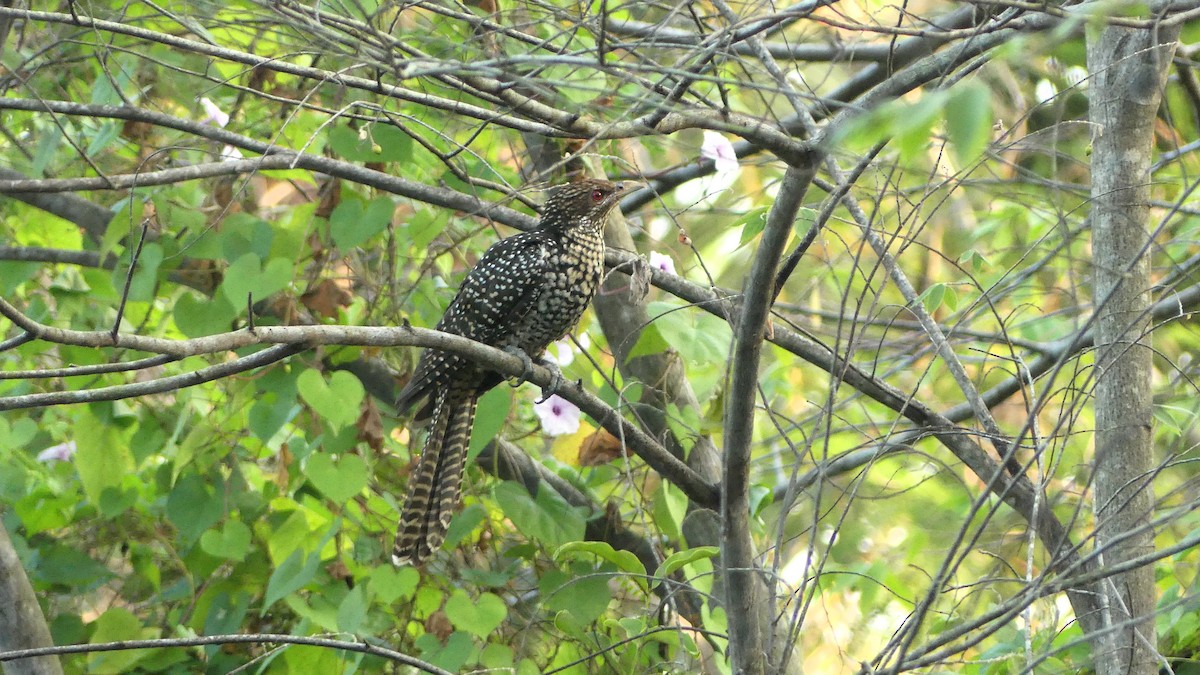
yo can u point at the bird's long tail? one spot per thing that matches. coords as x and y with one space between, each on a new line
435 488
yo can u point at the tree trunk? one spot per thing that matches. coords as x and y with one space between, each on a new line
22 625
1128 68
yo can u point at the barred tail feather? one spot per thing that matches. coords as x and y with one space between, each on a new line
436 486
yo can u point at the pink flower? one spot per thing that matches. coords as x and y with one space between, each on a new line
662 263
217 117
57 453
718 148
213 114
558 415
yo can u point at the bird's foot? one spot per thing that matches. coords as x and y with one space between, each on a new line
556 376
556 380
526 364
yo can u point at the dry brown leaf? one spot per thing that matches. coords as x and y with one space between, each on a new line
439 626
331 196
599 448
370 425
325 298
136 130
338 570
283 463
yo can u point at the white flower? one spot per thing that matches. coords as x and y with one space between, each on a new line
214 114
1044 90
1076 75
57 453
558 415
662 263
230 154
562 353
718 148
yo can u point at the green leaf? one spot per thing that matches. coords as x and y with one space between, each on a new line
490 417
289 577
650 341
670 507
353 610
14 274
306 659
20 433
178 218
192 508
373 143
338 479
226 613
623 560
352 223
47 148
585 596
579 86
805 217
196 317
932 297
59 564
102 456
268 415
115 625
145 276
912 124
975 260
127 215
698 336
244 233
969 121
453 656
761 497
232 541
752 224
337 402
678 559
422 227
104 136
497 657
246 278
479 617
464 522
388 584
547 518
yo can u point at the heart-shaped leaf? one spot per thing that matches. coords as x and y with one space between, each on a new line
339 480
479 617
232 541
354 222
337 401
246 277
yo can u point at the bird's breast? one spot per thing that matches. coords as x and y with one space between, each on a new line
573 273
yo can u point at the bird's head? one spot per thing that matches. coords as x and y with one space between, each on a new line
583 204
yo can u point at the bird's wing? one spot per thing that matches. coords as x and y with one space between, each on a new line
495 296
500 290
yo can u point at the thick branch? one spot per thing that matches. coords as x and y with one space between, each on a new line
746 633
22 625
1129 68
292 339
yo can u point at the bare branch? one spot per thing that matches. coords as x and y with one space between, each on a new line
260 638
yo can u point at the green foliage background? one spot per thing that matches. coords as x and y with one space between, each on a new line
266 502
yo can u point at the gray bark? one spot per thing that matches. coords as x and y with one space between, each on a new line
1128 68
22 625
743 582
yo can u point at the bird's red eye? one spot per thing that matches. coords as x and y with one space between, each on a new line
597 195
